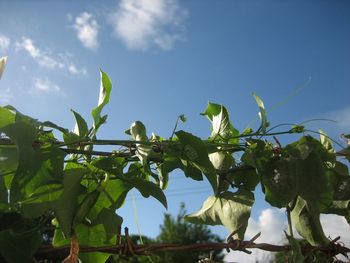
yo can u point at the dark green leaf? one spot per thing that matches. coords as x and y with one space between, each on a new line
247 179
300 172
17 247
147 189
110 221
8 158
195 150
183 118
297 255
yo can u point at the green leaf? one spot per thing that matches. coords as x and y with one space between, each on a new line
54 126
8 158
3 194
38 164
222 129
92 236
17 247
306 219
147 189
85 206
195 150
81 128
66 207
45 193
191 170
300 172
221 160
297 255
105 92
138 133
248 179
262 114
229 209
341 208
7 117
110 221
326 141
183 118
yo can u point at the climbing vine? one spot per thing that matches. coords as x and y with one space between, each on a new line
80 189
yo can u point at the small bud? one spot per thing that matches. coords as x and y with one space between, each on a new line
3 61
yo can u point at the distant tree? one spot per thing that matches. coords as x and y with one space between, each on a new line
175 230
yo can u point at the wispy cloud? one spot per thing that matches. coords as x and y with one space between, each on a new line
45 59
45 85
75 71
141 24
87 30
4 43
271 224
342 118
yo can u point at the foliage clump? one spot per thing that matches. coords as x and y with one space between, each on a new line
81 188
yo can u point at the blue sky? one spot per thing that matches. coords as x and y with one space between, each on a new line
170 57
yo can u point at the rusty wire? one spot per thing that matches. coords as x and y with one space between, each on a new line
127 248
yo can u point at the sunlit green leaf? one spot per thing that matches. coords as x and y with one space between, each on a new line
229 209
262 114
222 129
81 128
105 92
65 208
326 141
306 219
138 133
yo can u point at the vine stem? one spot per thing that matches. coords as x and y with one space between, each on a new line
290 223
129 143
289 209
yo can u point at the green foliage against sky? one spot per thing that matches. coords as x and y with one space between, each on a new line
82 188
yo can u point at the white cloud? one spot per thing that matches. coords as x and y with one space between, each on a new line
75 71
141 24
4 43
28 45
45 85
272 222
46 59
87 30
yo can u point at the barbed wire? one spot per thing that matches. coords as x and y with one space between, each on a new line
127 248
